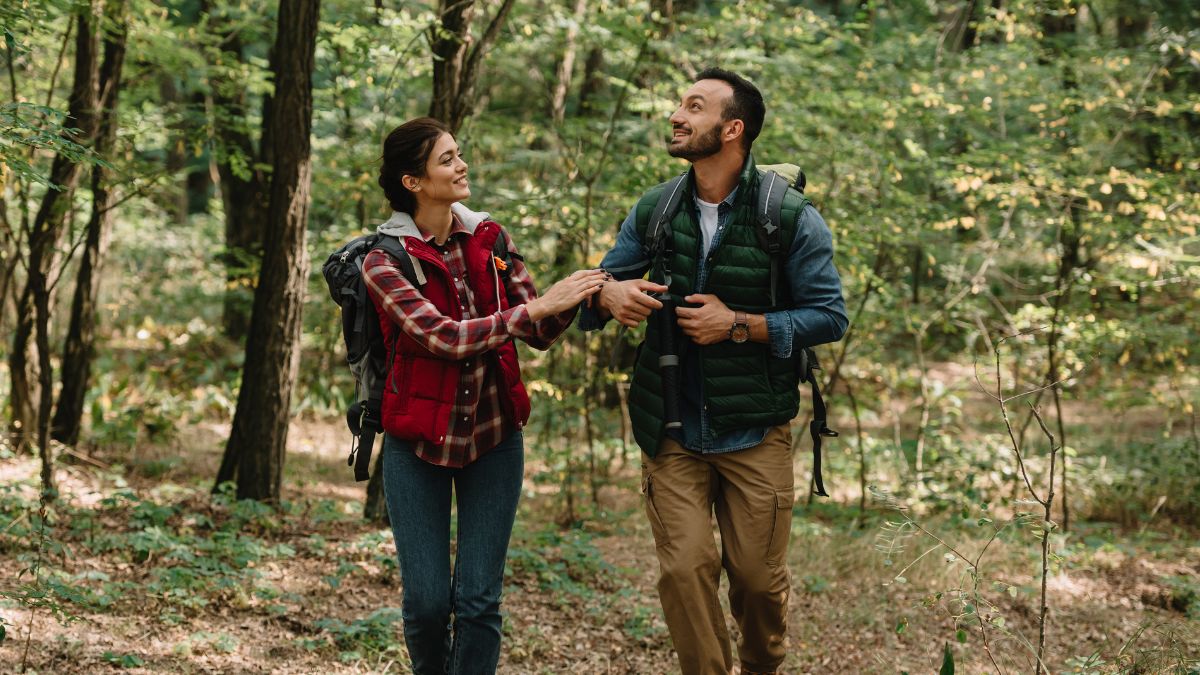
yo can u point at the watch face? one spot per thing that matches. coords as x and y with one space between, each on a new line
739 333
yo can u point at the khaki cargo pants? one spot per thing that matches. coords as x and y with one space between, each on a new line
751 492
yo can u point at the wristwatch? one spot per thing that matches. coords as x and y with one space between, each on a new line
739 332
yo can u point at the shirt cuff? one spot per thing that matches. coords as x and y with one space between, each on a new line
589 318
517 321
779 334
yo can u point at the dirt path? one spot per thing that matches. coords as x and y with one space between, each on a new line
318 590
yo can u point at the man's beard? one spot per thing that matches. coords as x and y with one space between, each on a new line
698 147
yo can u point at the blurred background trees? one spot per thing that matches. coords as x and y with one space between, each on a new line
987 168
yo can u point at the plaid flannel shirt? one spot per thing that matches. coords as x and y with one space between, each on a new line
477 421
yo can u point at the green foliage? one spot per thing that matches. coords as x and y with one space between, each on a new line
565 563
123 660
1135 483
372 635
947 661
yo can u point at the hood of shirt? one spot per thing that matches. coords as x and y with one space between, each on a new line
402 225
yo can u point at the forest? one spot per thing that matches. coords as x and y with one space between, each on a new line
1013 188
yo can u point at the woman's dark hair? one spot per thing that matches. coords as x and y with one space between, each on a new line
746 104
405 152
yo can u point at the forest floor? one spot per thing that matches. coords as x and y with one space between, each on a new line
154 576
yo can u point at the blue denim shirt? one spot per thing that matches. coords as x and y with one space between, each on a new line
818 317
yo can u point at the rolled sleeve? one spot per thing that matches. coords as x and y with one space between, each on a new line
779 334
518 322
818 314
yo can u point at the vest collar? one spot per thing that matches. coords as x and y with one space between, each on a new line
747 182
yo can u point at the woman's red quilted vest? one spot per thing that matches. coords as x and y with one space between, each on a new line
421 387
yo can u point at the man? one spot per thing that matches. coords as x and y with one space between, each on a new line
738 373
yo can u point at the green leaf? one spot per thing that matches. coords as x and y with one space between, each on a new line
947 661
902 626
961 636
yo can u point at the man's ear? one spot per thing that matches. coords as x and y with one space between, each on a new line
733 130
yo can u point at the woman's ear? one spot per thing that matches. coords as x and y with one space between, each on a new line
411 182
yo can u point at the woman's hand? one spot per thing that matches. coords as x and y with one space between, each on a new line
567 293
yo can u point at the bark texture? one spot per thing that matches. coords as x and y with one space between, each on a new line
458 57
79 348
260 425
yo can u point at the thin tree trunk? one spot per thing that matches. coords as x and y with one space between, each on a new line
243 193
259 435
1063 288
962 29
176 150
566 65
862 455
80 343
926 405
22 418
455 67
591 79
589 402
33 310
41 301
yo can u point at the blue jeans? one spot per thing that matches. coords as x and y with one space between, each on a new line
418 500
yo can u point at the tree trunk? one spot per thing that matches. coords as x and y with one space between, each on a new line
566 65
243 192
455 63
80 343
21 415
176 151
591 79
260 424
43 237
963 28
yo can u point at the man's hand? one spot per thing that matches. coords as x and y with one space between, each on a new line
707 324
627 302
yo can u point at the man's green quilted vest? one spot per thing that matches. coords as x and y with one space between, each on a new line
744 385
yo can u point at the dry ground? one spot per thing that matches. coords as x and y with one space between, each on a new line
586 602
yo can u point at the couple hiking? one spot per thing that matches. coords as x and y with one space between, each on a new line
750 292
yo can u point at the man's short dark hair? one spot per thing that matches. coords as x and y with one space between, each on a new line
746 104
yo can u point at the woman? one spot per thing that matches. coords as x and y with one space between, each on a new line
454 404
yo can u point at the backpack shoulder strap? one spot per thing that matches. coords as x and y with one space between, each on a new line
408 265
504 256
659 226
818 428
657 241
771 190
